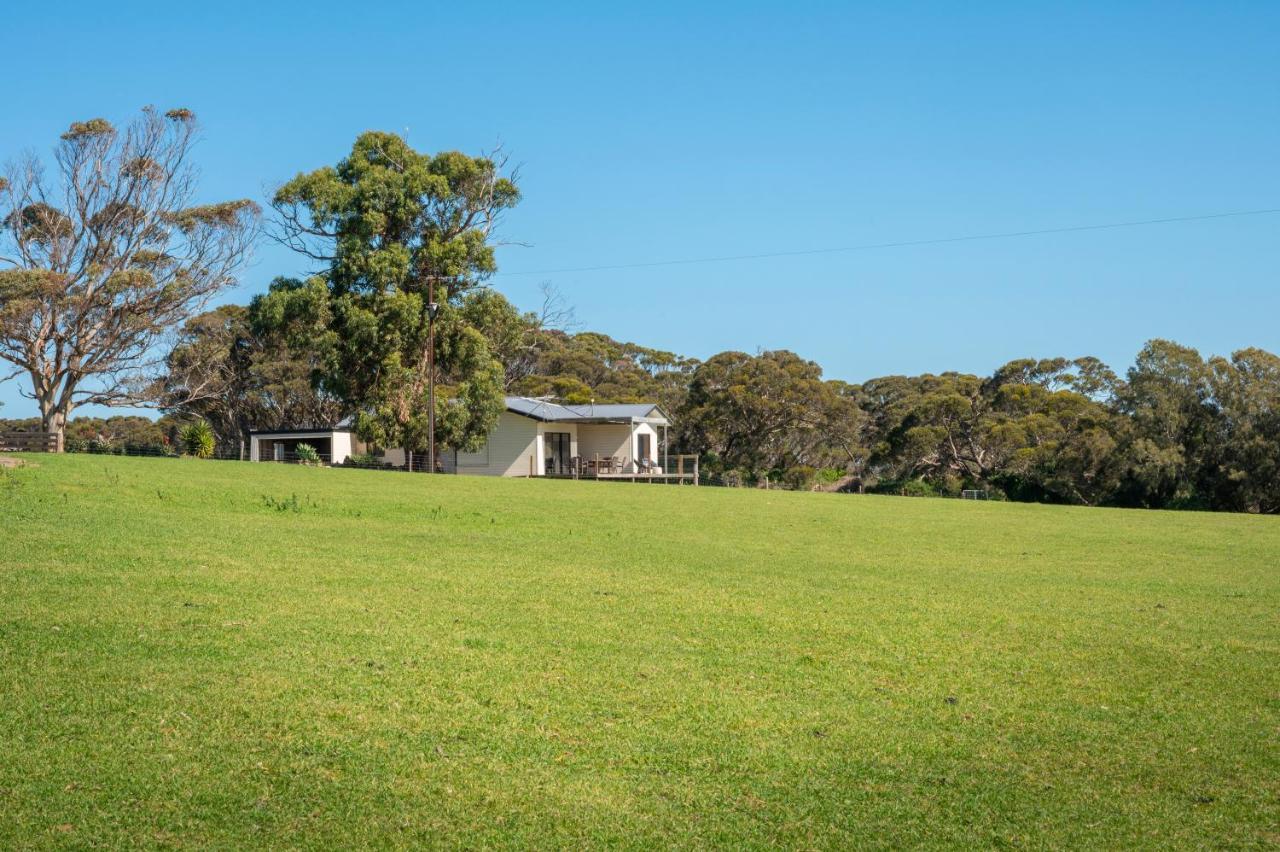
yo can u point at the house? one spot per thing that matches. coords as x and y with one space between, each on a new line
533 437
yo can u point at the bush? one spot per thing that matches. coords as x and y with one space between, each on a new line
136 449
198 440
307 454
911 487
799 478
363 460
830 475
918 488
101 445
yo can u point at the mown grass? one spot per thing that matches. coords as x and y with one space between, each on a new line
214 654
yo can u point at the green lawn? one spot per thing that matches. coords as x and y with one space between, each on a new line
217 654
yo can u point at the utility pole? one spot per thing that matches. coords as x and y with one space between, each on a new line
433 308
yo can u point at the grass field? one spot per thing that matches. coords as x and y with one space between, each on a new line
216 654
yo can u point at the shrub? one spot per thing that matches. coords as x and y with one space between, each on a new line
198 440
830 475
101 445
363 460
307 454
733 478
799 478
918 488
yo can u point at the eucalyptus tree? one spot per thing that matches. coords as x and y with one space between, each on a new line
1243 462
239 368
768 412
398 231
100 259
1167 397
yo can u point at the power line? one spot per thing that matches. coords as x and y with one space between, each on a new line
900 244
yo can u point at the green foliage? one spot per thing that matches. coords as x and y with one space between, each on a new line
579 368
256 367
102 445
198 440
799 477
400 229
768 412
365 460
307 454
283 504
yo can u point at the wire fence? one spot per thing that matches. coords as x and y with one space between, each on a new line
416 463
676 468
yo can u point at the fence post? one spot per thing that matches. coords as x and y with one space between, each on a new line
695 470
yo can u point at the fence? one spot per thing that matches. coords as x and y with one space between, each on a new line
232 452
28 442
676 468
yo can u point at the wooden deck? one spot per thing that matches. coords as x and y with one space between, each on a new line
678 470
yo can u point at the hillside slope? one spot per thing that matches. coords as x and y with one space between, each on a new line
219 653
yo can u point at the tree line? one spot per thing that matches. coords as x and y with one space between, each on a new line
108 269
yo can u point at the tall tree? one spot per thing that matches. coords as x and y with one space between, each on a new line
398 231
1168 398
586 366
241 368
768 413
1243 465
98 262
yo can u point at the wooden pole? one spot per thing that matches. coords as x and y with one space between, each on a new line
431 387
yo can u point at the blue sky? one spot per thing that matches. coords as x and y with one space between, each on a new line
661 132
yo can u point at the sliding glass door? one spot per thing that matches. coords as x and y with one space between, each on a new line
556 450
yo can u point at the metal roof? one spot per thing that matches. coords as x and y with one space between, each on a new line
541 409
538 409
346 424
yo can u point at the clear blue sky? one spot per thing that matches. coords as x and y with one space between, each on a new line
663 132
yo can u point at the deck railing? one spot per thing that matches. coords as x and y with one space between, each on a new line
673 468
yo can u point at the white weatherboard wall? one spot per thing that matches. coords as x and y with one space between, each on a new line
607 440
512 449
652 431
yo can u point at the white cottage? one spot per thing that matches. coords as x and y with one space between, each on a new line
532 437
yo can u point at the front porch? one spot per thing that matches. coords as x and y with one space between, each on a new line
628 448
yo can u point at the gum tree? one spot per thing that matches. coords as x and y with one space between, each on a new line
398 230
98 261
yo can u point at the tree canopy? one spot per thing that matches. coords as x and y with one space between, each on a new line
98 262
400 230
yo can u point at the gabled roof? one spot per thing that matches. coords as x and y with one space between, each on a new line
553 412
